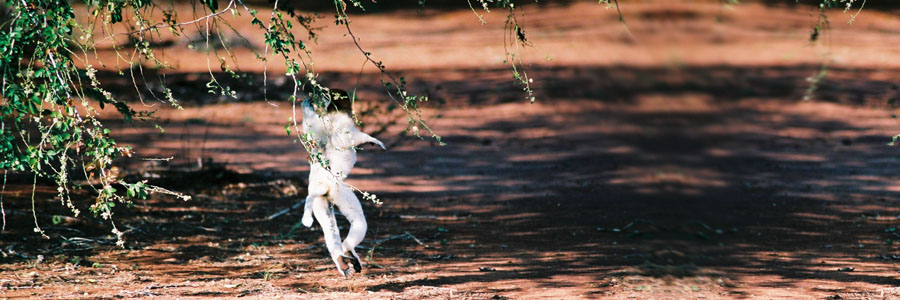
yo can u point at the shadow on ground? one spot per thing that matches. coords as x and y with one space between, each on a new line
715 178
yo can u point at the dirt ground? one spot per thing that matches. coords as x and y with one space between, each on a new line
674 159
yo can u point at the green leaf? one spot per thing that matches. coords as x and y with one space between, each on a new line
115 14
894 140
212 4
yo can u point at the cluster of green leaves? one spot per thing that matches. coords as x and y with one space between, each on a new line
49 124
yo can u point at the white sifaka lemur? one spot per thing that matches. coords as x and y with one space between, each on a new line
335 133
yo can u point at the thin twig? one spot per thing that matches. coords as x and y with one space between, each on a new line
382 241
37 228
161 26
405 235
433 217
158 159
286 210
414 238
266 61
622 19
2 210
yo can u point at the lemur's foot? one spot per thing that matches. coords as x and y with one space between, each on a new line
352 260
307 219
343 266
347 273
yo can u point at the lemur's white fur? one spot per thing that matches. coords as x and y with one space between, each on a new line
337 134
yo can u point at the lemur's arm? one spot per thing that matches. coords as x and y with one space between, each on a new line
313 124
360 138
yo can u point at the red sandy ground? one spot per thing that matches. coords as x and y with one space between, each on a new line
671 160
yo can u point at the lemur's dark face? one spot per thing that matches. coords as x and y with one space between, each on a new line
340 102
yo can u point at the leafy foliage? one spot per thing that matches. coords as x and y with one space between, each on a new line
49 126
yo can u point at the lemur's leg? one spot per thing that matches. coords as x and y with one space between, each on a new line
307 219
350 207
316 189
325 216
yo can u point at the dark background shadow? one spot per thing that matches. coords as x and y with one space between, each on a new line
627 171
